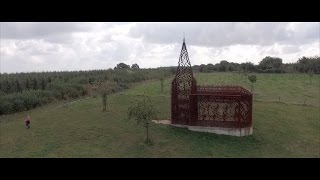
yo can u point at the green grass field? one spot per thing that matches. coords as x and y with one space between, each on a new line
285 128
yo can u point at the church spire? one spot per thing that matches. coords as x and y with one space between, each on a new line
184 38
184 65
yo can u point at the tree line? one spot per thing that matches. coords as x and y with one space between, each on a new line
266 65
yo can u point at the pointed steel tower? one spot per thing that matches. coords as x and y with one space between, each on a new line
184 70
183 85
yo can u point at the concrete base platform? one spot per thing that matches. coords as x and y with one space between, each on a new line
225 131
162 121
217 130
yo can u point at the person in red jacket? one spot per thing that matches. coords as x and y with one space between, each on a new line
27 119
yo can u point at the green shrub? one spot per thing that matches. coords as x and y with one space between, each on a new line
6 106
18 103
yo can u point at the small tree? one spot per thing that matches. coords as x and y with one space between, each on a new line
252 79
161 80
143 111
245 74
104 101
105 89
310 73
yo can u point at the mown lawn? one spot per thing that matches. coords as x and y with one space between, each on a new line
284 128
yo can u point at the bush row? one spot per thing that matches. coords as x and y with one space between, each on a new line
26 100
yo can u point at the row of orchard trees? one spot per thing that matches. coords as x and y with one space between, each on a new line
24 91
266 65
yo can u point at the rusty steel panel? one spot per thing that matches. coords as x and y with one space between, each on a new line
214 106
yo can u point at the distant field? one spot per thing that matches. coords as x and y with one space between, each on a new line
282 125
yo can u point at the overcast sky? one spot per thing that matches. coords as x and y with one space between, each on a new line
50 46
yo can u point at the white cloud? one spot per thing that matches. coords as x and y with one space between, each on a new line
225 34
84 46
